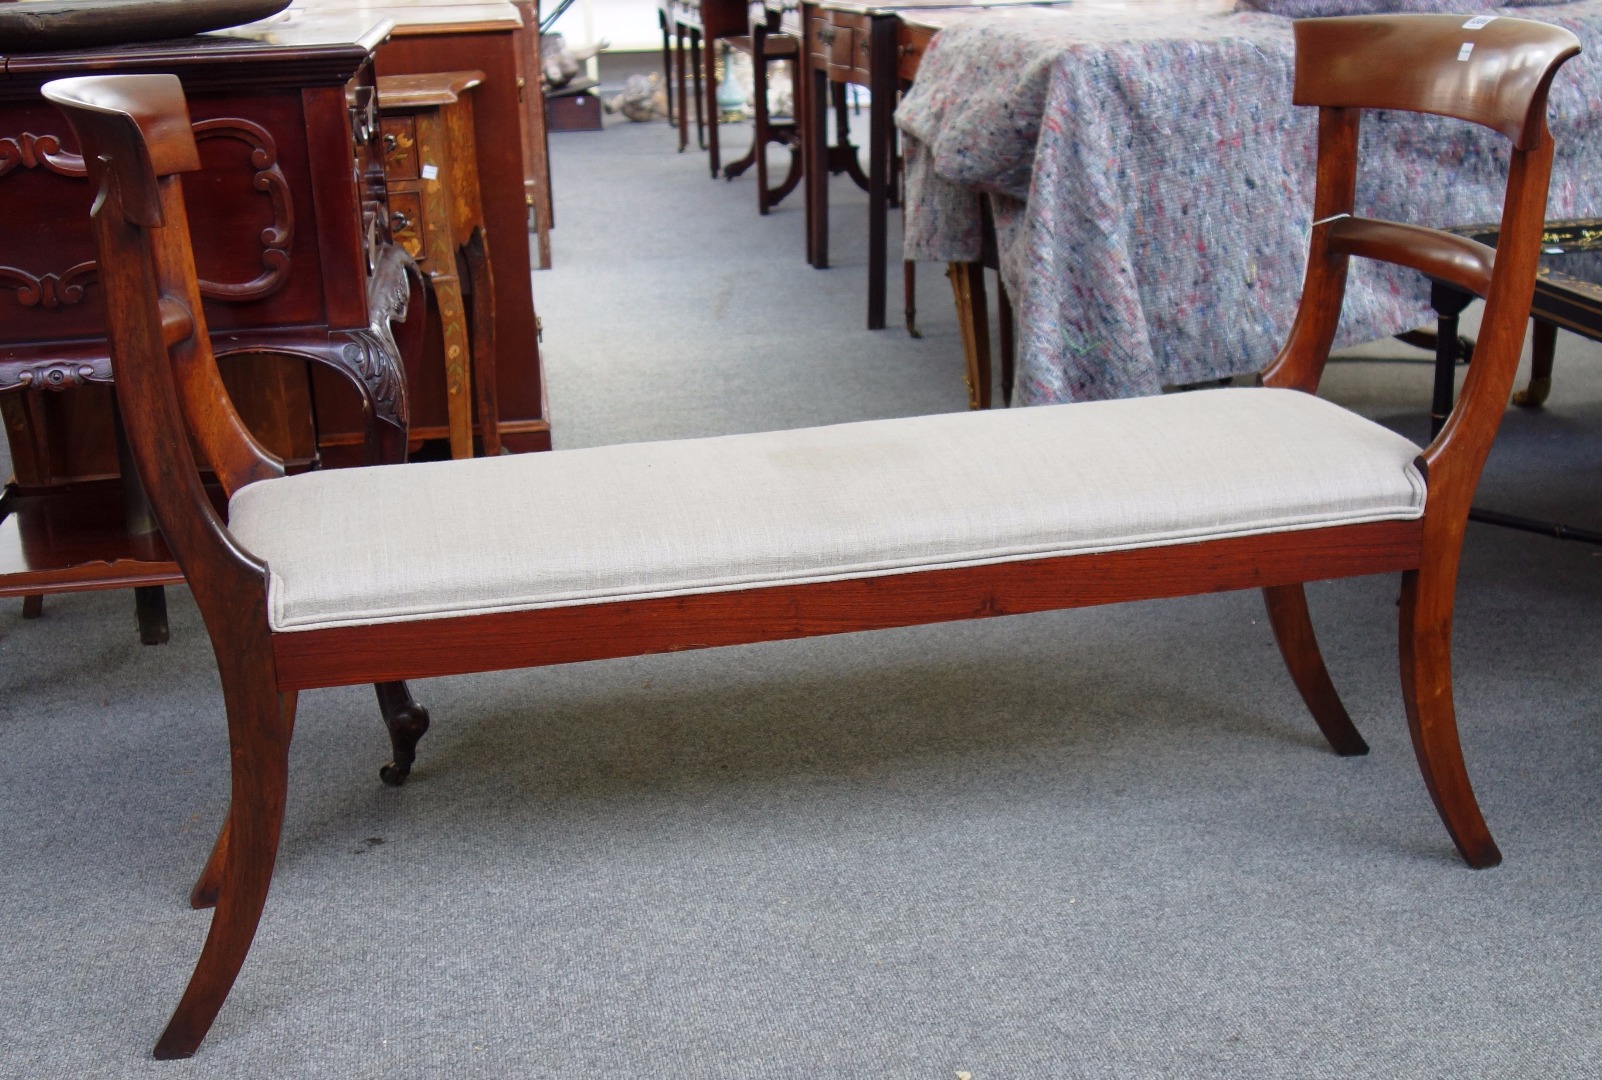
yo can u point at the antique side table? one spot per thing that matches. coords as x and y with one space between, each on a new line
509 134
436 214
876 44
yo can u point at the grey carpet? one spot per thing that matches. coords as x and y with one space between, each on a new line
1104 843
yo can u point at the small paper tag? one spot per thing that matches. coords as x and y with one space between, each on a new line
431 172
1479 21
1463 53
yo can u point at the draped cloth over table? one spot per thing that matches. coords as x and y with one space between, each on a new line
1152 183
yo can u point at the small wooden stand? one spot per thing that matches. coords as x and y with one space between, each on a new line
437 215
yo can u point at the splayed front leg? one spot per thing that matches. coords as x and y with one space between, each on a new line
1426 648
260 723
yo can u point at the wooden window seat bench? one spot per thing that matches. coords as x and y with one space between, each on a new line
620 550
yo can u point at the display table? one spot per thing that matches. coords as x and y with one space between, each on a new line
866 43
1152 184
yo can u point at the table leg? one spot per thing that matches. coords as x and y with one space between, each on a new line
759 111
150 601
679 75
713 113
882 68
909 295
817 166
1009 346
667 59
973 326
700 97
1543 348
801 74
1448 303
150 609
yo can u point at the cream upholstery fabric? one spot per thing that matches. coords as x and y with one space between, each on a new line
353 546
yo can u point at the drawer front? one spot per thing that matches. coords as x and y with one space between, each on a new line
913 42
821 37
406 222
861 56
834 42
400 147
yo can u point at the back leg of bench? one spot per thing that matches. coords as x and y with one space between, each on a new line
1426 653
1293 629
407 722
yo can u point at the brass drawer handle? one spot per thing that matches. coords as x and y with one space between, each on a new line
390 142
826 34
399 221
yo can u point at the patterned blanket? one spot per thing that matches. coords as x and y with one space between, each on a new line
1152 183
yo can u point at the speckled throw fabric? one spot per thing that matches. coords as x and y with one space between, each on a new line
1152 184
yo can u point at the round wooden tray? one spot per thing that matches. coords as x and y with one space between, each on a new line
56 25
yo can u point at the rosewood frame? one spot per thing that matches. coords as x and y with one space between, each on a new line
138 140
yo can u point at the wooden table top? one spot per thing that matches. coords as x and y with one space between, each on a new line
900 7
412 17
339 41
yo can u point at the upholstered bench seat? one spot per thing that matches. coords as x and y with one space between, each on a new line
883 497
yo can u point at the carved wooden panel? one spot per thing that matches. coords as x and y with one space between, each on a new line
244 200
269 179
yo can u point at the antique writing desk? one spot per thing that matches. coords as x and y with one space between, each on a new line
509 136
293 251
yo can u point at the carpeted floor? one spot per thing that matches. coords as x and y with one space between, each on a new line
1104 843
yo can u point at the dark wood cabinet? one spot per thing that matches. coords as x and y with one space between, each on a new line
293 251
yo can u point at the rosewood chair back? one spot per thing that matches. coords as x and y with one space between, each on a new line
138 140
1492 72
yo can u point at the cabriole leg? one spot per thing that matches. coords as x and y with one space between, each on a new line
407 722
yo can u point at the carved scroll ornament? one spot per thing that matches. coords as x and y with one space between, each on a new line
32 151
269 179
49 290
66 288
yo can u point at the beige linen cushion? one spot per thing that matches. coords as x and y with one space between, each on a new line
355 546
